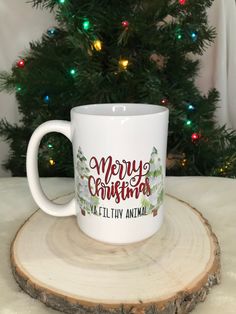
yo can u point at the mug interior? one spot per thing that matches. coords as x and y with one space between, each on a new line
120 109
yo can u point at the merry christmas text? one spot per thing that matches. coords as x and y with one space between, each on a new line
118 179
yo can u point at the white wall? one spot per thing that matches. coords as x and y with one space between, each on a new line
218 64
19 24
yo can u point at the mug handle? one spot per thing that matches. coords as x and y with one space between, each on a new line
40 198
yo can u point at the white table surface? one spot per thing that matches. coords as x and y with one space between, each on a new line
214 197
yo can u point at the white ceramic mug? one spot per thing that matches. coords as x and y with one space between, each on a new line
119 162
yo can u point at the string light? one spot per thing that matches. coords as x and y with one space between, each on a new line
188 122
190 107
179 34
18 88
164 101
182 2
50 146
194 36
183 162
51 32
73 72
224 169
86 25
97 44
46 99
21 63
62 1
123 63
125 24
195 136
52 162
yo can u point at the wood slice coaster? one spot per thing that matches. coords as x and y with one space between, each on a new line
169 273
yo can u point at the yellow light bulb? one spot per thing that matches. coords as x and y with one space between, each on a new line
51 162
97 44
183 162
123 63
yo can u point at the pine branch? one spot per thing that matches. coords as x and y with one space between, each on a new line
44 4
7 82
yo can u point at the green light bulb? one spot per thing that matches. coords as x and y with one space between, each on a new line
179 33
72 72
86 25
62 1
188 122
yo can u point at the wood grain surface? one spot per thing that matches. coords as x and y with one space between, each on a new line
53 261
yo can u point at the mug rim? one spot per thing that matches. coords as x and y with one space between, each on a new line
119 110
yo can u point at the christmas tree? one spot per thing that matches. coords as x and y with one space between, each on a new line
83 195
119 51
155 179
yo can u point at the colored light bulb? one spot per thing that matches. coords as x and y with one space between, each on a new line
62 1
195 136
46 99
86 25
21 63
188 122
123 63
97 44
51 32
164 101
52 162
125 24
73 72
182 2
194 36
191 107
179 34
184 162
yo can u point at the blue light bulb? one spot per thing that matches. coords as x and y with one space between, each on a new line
194 36
46 99
51 32
191 107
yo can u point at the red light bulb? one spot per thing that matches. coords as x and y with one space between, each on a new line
125 24
21 63
182 2
164 101
195 136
